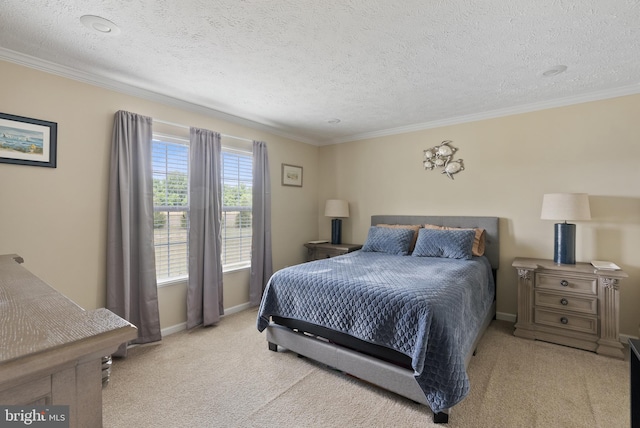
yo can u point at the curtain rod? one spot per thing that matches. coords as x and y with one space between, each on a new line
188 127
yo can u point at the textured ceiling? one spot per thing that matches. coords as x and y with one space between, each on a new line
379 66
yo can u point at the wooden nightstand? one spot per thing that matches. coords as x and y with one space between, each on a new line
573 305
326 250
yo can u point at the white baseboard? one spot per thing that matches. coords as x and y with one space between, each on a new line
183 325
173 329
237 309
503 316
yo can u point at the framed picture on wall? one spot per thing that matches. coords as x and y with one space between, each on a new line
291 175
26 141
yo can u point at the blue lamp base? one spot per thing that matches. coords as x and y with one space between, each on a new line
336 231
564 249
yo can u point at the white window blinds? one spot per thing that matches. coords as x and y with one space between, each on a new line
237 185
171 208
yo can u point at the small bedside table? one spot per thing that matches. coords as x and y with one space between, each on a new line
573 305
326 250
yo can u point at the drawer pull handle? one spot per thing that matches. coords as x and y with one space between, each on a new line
564 283
564 320
564 301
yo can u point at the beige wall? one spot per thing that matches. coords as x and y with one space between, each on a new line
56 218
509 163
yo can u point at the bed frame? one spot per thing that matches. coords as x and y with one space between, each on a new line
378 365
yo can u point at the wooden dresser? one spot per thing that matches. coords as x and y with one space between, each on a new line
52 348
573 305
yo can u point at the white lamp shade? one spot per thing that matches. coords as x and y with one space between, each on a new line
336 208
565 206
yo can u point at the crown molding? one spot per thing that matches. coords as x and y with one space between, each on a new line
113 85
110 84
493 114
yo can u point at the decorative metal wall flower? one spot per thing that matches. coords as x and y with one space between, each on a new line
441 156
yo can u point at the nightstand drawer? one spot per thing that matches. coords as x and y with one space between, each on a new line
567 301
325 250
583 324
567 283
325 253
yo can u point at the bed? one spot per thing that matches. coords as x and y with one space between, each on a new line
407 320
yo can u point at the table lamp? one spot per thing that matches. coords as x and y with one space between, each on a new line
336 208
565 206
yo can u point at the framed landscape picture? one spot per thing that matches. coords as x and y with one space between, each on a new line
26 141
291 175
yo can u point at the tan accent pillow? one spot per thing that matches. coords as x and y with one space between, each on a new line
414 227
478 241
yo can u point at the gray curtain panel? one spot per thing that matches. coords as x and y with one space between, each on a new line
261 261
132 291
204 292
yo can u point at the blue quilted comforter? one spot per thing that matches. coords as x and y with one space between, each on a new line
429 309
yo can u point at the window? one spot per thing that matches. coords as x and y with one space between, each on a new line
170 163
171 207
237 185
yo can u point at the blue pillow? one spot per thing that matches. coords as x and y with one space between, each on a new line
452 244
388 240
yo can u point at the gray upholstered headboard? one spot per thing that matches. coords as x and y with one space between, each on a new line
489 224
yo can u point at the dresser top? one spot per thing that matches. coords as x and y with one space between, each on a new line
578 268
35 318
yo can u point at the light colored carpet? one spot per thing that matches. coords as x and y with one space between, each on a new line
225 376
